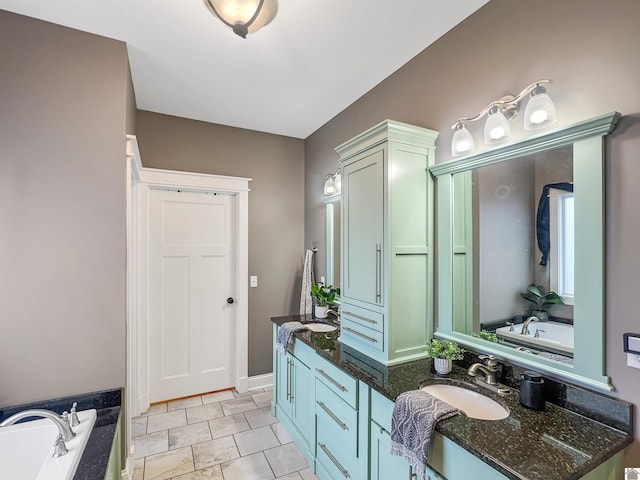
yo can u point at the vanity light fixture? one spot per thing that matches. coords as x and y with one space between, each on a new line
333 183
539 113
243 16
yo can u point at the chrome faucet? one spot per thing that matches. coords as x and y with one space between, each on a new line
489 368
525 325
63 427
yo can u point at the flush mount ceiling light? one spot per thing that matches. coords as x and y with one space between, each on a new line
243 16
333 183
539 113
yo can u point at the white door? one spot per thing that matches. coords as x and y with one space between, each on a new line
192 254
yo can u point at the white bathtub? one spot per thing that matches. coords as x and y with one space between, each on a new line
26 449
556 336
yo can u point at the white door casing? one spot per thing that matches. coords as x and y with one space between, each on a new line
191 278
141 180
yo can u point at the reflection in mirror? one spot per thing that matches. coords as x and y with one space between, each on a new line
332 219
527 218
515 229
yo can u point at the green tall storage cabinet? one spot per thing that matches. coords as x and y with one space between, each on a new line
387 241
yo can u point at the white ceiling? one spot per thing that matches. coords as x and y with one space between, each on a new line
315 58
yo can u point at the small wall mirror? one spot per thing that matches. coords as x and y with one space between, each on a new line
333 222
527 220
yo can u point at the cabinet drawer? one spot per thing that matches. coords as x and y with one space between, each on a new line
336 418
366 336
337 462
339 382
362 316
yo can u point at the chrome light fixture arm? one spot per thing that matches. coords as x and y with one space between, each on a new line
509 104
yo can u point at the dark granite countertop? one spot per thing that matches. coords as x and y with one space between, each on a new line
554 444
94 460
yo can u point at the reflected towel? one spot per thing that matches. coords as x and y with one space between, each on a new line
414 418
306 304
285 332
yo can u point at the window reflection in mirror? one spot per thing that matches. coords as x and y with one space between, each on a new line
514 228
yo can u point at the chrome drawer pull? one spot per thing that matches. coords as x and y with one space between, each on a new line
324 374
333 459
360 317
340 423
378 268
366 337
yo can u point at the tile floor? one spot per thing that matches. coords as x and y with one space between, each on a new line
220 436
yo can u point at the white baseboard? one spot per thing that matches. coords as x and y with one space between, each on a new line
260 381
252 383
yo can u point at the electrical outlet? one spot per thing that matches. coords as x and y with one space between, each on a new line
633 360
322 279
253 281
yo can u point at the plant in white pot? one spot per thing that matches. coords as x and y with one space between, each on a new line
541 301
444 353
324 295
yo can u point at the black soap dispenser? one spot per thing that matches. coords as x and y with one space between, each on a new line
532 390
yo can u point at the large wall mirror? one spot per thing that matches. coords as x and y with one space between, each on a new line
527 220
332 228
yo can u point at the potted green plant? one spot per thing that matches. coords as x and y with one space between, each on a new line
324 295
444 353
541 300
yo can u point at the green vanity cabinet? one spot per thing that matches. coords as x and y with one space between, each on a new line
337 427
294 395
387 241
446 459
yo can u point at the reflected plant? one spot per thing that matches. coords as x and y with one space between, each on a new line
540 299
486 335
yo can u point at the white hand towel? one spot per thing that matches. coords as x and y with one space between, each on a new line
306 304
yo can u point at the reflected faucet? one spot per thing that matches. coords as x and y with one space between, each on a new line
525 325
63 427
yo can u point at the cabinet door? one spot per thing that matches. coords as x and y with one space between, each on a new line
385 466
363 228
284 376
303 400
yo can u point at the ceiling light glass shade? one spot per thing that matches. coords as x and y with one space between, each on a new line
243 16
329 185
497 128
337 181
462 142
540 111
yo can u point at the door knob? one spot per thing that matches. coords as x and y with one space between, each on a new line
230 300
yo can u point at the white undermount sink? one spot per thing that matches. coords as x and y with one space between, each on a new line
320 327
472 404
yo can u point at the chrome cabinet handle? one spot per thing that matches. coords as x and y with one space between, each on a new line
340 423
366 337
289 397
378 268
412 474
325 375
344 472
360 317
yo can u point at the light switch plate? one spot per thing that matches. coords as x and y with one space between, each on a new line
253 281
633 360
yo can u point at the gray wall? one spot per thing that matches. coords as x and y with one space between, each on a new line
276 211
589 48
62 211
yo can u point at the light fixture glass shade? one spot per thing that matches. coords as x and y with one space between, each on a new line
497 128
239 15
540 111
337 181
329 185
462 142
